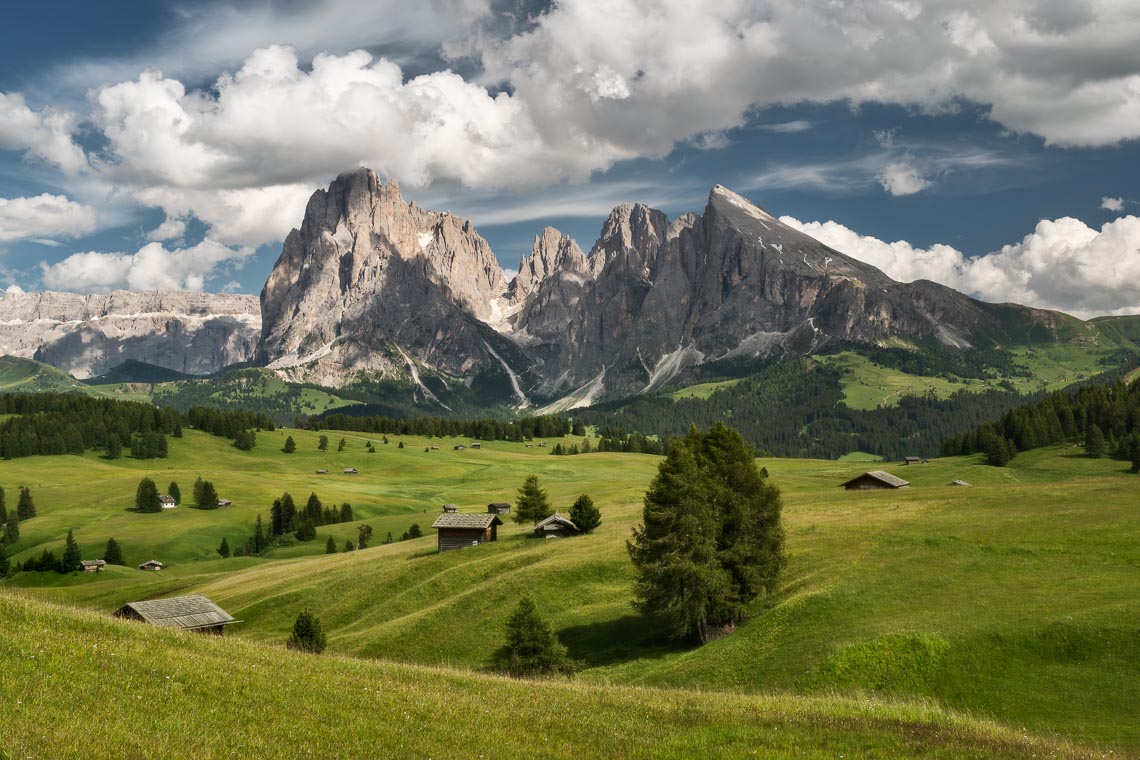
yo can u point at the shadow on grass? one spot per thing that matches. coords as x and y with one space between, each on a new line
609 642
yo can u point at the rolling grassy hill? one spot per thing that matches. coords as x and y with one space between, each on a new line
1012 600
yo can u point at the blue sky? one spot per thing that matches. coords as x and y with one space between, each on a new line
148 144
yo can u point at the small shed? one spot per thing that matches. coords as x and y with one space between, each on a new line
476 445
875 479
957 483
322 472
93 565
499 508
542 445
530 445
911 460
450 508
435 447
190 613
351 471
153 565
458 447
555 526
460 531
167 501
224 502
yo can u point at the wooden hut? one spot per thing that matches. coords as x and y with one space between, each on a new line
875 479
351 471
153 565
93 565
224 503
450 508
957 483
476 445
460 531
911 460
555 526
190 613
499 508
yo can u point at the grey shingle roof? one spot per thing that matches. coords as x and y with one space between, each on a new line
188 612
884 477
555 518
479 520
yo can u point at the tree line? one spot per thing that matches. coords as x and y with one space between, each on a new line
524 429
1105 417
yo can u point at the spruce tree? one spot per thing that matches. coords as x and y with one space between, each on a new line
207 496
323 443
224 548
5 565
71 555
711 539
1134 451
330 546
532 648
584 514
290 445
307 634
114 446
199 484
1094 442
12 529
146 497
340 446
363 536
345 512
112 554
3 508
25 506
533 503
174 492
314 510
349 546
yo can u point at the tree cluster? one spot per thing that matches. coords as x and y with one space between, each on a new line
524 429
711 540
285 517
205 495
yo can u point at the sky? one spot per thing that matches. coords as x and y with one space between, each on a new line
993 147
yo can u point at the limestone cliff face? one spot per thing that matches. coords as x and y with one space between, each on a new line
371 282
86 335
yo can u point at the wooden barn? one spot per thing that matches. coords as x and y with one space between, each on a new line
190 613
351 471
450 508
875 479
499 508
555 526
460 531
93 565
153 565
911 460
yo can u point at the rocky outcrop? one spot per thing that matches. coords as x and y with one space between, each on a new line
373 283
86 335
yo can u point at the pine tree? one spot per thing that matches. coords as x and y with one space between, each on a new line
533 503
306 531
330 546
340 446
584 514
401 445
415 531
174 492
711 539
260 539
25 507
532 647
71 555
114 446
290 445
199 484
346 512
12 529
224 548
307 634
364 535
112 554
314 509
146 497
207 496
323 443
349 546
1134 451
5 564
1094 442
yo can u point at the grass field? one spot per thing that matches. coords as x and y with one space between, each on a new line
867 385
1013 600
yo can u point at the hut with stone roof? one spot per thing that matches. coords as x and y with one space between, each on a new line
460 531
875 479
190 613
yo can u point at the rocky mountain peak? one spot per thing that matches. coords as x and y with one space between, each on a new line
631 234
553 253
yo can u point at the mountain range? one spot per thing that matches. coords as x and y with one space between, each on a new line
375 289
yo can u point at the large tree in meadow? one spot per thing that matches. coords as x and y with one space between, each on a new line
146 496
113 553
532 646
711 539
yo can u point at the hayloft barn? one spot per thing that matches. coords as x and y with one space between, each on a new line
450 508
460 531
874 479
555 526
190 613
499 508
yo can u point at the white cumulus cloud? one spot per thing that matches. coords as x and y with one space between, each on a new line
900 178
152 266
1063 264
44 216
45 136
1112 204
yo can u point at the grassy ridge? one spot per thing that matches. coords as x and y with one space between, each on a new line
124 690
1013 599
